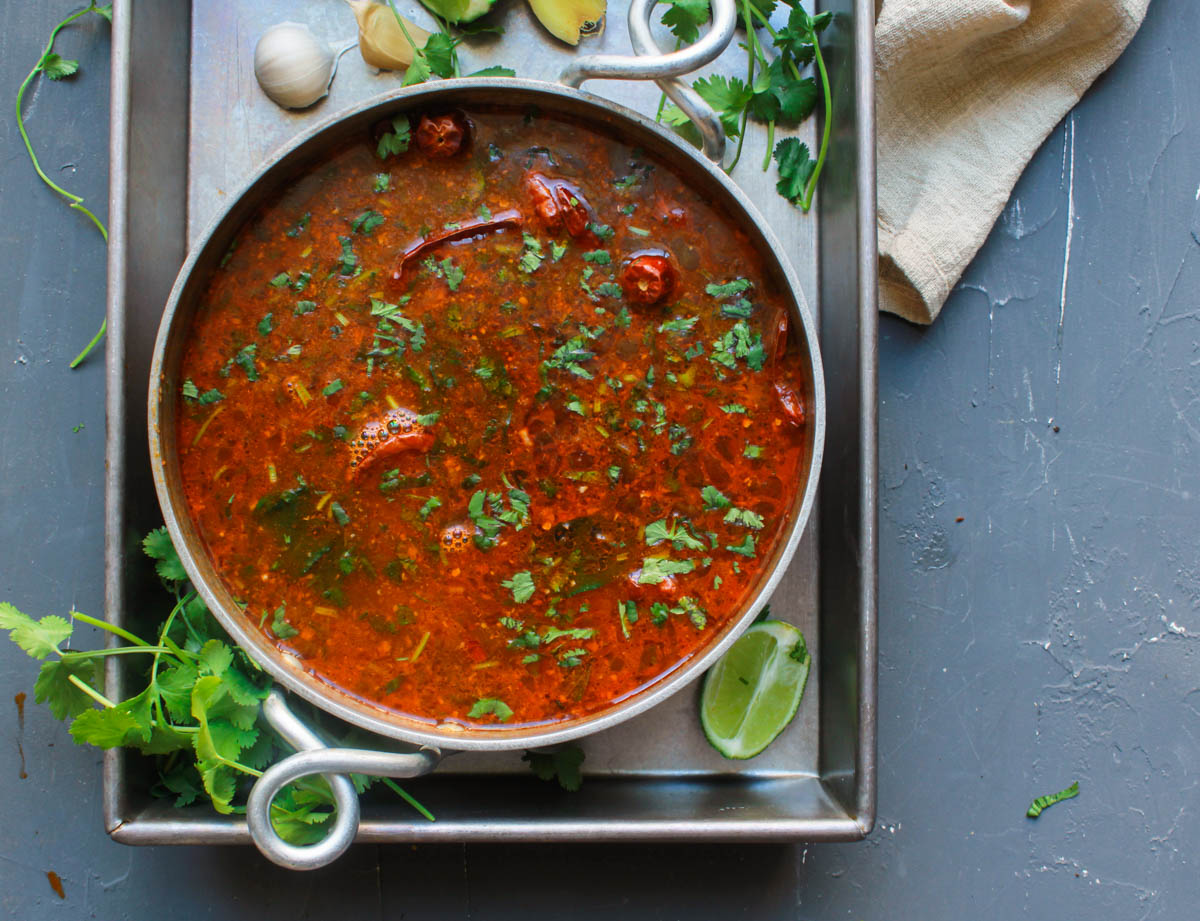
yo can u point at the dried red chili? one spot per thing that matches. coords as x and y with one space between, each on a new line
648 278
443 135
559 203
474 227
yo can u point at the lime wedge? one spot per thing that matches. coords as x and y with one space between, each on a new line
755 689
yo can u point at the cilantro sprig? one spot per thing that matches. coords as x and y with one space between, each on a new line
55 67
773 92
438 57
199 709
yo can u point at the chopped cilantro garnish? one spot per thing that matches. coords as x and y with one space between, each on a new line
192 394
266 324
744 517
332 387
745 548
427 509
339 513
752 451
674 531
531 258
739 342
454 274
714 498
568 356
348 264
734 408
366 222
300 226
602 231
729 289
557 250
608 289
490 706
521 585
303 307
655 569
280 627
598 257
614 473
679 325
396 140
382 181
280 280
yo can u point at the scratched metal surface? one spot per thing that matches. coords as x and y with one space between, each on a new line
1047 637
233 126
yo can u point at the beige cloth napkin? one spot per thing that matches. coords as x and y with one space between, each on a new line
966 91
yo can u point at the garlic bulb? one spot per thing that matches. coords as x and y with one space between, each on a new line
292 65
381 41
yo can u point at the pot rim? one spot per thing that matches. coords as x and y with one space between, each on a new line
286 668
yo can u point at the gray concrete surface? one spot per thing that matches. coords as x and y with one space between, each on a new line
1048 636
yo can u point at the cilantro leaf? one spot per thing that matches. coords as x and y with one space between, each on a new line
56 67
366 222
431 503
493 72
521 585
745 548
714 498
561 763
728 96
729 288
39 638
157 545
684 18
397 140
795 168
656 569
675 532
490 706
744 517
439 54
54 687
107 728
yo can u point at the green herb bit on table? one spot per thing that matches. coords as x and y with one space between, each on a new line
198 710
1043 802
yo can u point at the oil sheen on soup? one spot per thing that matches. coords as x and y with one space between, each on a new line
490 419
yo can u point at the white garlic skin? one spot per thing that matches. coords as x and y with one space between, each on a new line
292 65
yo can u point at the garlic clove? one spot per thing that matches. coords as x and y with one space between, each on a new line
381 41
292 65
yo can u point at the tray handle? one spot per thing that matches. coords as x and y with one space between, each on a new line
313 756
650 63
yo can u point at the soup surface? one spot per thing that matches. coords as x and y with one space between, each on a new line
491 419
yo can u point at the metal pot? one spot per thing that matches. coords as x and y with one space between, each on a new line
703 172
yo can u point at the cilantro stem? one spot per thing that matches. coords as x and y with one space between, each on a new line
816 173
417 52
91 691
73 201
87 349
404 795
111 628
770 144
115 651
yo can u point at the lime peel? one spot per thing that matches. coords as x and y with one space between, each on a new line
754 691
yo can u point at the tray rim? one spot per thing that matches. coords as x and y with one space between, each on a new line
855 823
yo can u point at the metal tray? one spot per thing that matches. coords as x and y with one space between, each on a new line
189 125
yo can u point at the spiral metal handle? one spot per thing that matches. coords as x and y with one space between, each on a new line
650 63
313 756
